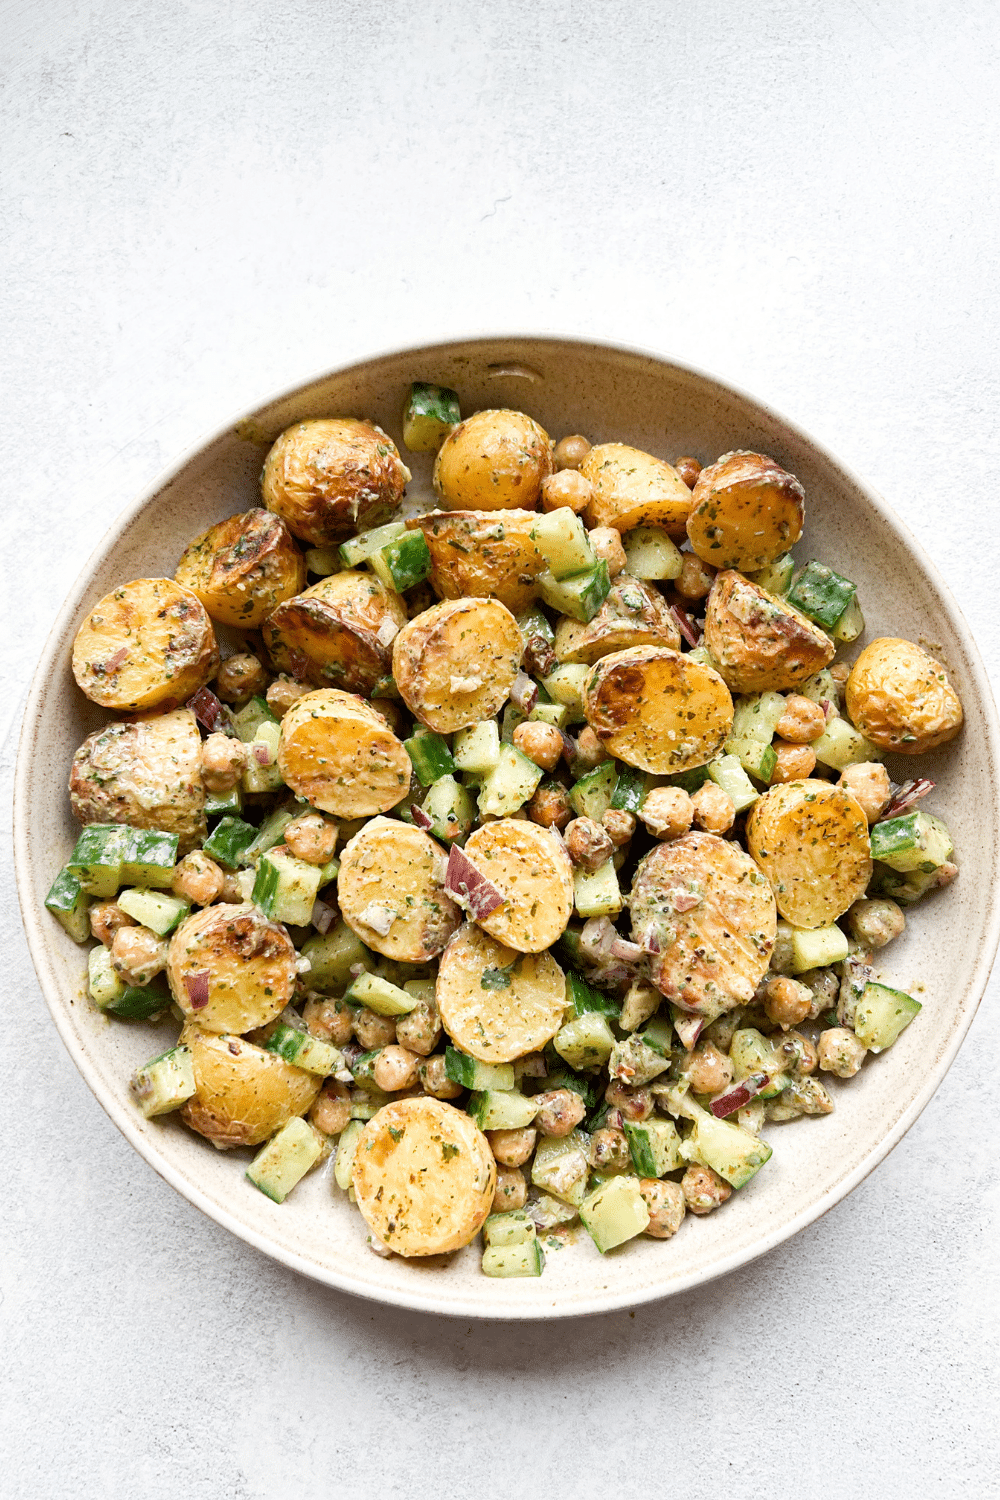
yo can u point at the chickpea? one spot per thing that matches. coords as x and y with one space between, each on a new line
802 721
714 810
708 1069
232 889
559 1111
312 838
512 1148
688 468
609 1150
606 545
870 784
589 752
373 1030
331 1112
435 1080
329 1020
799 1054
107 918
825 986
840 1052
618 825
570 452
138 955
395 1068
282 694
567 489
223 761
787 1001
875 923
695 579
667 812
704 1189
633 1103
420 1031
665 1204
239 678
541 743
792 763
550 806
198 879
511 1190
588 844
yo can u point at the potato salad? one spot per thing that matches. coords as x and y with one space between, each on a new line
526 858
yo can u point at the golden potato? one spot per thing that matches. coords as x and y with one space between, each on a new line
901 699
532 871
146 773
657 709
632 488
340 754
811 841
329 634
746 511
497 1004
248 964
633 614
148 644
761 642
455 663
244 1094
242 568
331 477
390 872
479 554
706 916
494 460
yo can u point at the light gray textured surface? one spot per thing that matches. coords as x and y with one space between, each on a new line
204 202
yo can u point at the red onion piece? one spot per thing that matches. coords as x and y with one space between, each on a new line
682 901
357 969
114 662
262 753
569 747
208 710
298 665
197 988
739 1095
829 709
688 1029
614 1120
626 952
686 625
423 820
387 632
907 795
524 693
469 886
323 916
596 938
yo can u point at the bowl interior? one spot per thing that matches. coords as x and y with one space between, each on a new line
943 958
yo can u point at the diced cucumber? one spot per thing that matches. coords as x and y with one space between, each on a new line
586 1001
822 685
590 797
224 804
127 1002
821 594
322 561
379 995
512 717
477 749
630 789
98 857
286 1159
513 1228
597 895
102 981
655 1146
286 887
259 778
156 910
882 1014
614 1212
386 688
581 596
363 1068
659 1034
651 555
526 1259
915 841
556 714
585 1043
548 1212
363 546
430 412
67 901
817 947
906 889
331 957
343 1166
841 745
776 576
430 757
689 781
752 1053
510 784
632 1059
270 832
304 1051
560 1166
150 858
641 1001
403 562
703 657
229 842
534 623
756 759
450 808
756 716
727 773
561 538
250 717
497 1109
567 685
473 1074
165 1082
850 625
732 1152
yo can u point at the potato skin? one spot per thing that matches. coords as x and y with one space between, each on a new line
146 773
760 641
340 754
456 642
634 614
250 961
328 634
243 568
746 510
811 841
391 862
332 476
148 644
656 709
494 460
901 699
632 488
244 1094
479 554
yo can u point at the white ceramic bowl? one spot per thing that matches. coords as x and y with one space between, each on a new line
944 957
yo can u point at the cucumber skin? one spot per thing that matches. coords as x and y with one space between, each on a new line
525 1259
430 757
229 841
428 415
630 789
821 594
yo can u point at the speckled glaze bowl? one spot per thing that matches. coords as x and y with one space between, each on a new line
944 957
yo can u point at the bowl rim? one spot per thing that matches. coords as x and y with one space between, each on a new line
123 1117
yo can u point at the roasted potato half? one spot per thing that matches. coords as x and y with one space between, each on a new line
146 773
231 968
657 709
901 698
479 554
746 511
243 568
455 663
532 871
337 633
633 614
632 488
391 893
495 1003
243 1094
148 644
761 642
424 1177
811 841
706 916
341 755
494 460
331 477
